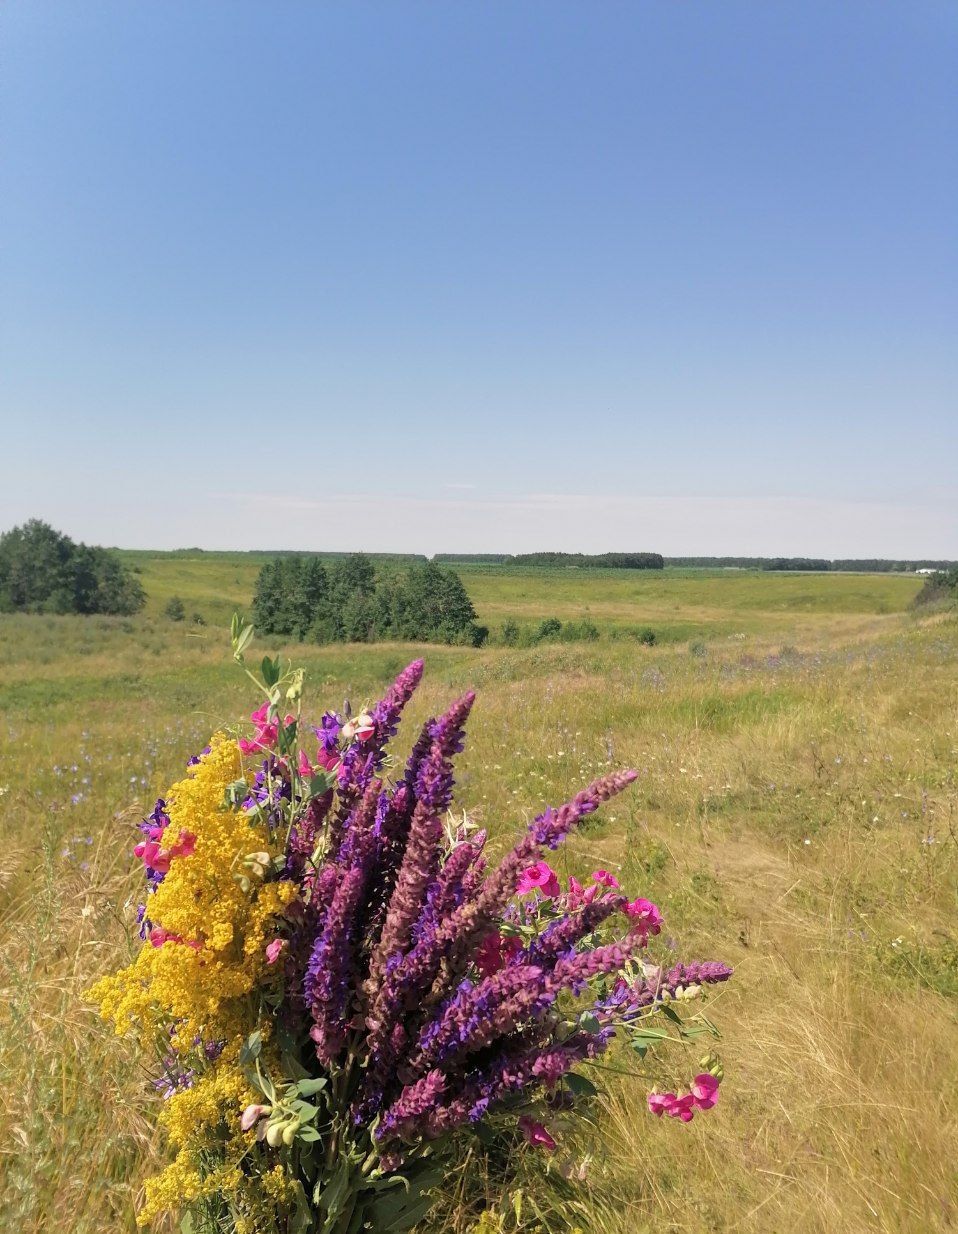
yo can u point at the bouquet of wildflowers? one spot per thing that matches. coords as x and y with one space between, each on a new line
337 983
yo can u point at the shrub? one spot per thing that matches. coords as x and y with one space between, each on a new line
938 587
510 633
174 609
647 637
551 628
44 571
579 632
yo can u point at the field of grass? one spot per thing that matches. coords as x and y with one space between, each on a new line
796 815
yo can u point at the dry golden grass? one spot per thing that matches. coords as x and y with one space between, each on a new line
796 815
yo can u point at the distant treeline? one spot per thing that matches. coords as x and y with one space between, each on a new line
44 571
607 561
865 565
349 602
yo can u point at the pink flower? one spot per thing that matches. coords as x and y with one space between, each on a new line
576 897
304 766
705 1091
682 1107
251 1116
495 951
275 949
536 1134
329 762
360 727
605 879
540 878
267 731
154 856
184 846
703 1096
646 918
659 1103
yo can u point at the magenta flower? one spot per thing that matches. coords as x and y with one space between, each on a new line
275 949
577 897
659 1103
683 1108
157 858
703 1096
184 846
605 879
267 731
536 1134
540 878
495 951
705 1091
646 918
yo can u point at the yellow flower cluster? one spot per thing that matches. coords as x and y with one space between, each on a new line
201 981
197 1120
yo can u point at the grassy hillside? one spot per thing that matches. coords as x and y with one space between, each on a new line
678 603
796 815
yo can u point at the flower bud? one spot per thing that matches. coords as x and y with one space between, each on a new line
274 1134
289 1132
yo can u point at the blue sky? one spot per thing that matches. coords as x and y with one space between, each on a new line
482 275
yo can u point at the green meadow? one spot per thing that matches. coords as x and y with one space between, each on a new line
796 815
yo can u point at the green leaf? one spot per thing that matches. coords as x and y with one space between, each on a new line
304 1110
650 1034
270 670
331 1198
589 1023
309 1088
691 1031
241 635
579 1085
396 1210
301 1220
319 783
186 1225
251 1047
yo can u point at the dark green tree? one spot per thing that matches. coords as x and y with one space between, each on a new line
43 570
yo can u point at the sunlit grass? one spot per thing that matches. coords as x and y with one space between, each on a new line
796 815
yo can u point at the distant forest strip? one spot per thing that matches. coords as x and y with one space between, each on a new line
555 560
866 565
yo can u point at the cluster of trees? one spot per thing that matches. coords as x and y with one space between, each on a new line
44 571
941 586
299 597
